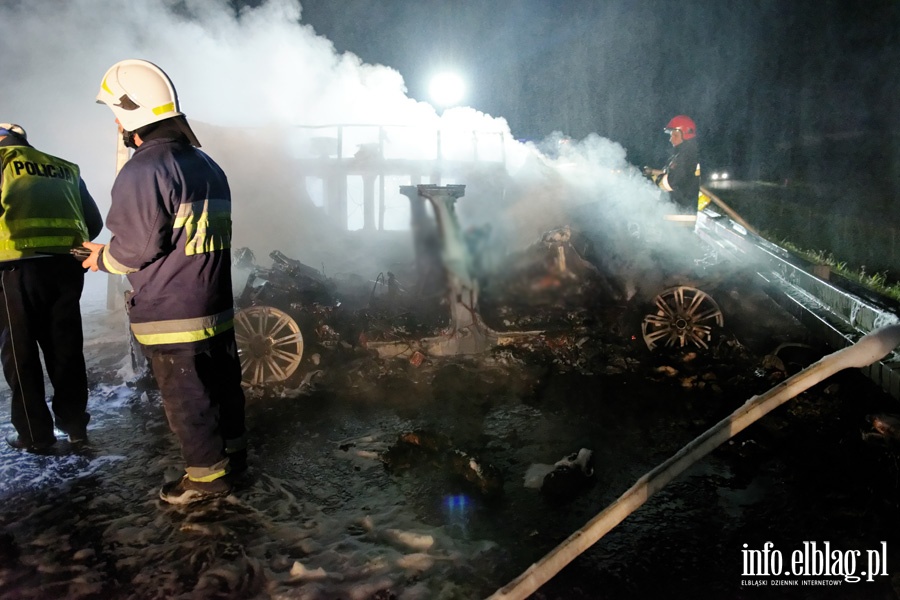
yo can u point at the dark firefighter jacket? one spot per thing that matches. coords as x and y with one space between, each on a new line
45 207
683 174
171 223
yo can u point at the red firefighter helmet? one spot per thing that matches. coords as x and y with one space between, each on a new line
684 124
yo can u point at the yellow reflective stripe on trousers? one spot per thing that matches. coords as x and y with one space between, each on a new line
206 474
180 331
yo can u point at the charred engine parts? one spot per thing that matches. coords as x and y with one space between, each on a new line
279 309
685 316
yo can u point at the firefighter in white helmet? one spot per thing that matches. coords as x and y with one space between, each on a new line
45 211
681 175
170 220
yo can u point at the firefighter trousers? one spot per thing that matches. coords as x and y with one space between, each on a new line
41 314
204 404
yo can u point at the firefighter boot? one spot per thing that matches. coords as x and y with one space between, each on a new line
188 491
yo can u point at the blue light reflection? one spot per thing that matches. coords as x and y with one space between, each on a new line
458 509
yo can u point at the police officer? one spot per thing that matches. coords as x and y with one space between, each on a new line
681 175
45 211
170 220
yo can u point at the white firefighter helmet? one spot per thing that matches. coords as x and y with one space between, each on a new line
139 93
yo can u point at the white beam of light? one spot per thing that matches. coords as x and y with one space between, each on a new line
447 89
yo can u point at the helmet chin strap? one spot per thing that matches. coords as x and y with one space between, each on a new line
128 139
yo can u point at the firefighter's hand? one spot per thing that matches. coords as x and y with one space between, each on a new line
651 173
91 261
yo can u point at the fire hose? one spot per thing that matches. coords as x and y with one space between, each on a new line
727 209
869 349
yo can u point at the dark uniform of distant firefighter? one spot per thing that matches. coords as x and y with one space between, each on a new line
681 175
45 211
170 220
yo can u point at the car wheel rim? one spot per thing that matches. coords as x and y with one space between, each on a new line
685 316
270 344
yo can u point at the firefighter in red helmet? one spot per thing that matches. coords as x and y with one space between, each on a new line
681 175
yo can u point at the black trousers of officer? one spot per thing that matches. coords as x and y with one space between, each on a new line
204 402
41 309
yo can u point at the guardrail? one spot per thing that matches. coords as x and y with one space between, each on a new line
835 308
863 241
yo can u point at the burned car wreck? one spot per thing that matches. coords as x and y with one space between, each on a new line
553 305
553 294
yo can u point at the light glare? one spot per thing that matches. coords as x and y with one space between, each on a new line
447 89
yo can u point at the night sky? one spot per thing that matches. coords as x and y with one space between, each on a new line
772 84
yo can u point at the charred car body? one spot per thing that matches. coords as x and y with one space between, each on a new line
291 316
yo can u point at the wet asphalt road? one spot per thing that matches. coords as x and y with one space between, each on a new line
320 516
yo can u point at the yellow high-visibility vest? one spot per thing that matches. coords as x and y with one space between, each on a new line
40 204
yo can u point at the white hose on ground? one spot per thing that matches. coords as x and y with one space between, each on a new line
869 349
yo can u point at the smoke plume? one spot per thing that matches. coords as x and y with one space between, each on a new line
264 91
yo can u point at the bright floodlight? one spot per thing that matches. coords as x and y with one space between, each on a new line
447 89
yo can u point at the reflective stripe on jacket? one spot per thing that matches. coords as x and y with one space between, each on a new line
182 330
207 225
40 200
171 223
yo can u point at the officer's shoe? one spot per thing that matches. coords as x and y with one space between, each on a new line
77 432
188 491
19 443
78 435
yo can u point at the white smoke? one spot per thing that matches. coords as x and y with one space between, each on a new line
247 81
